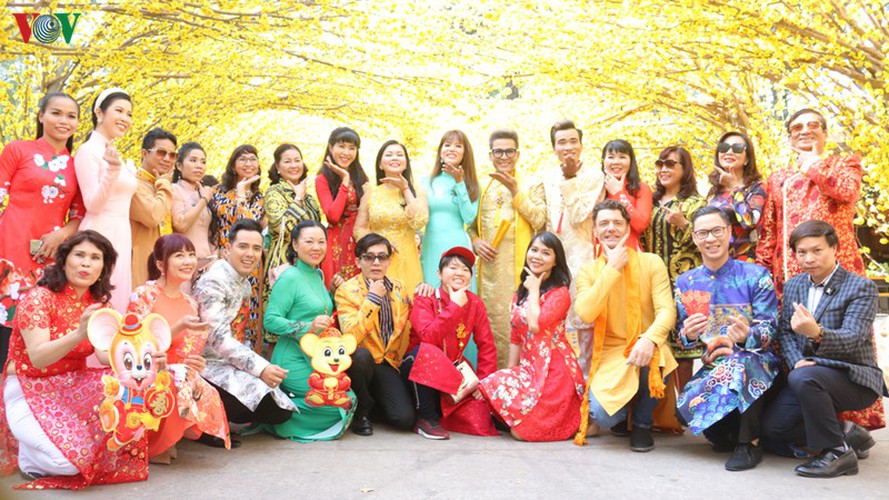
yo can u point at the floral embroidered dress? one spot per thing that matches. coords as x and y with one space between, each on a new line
107 200
389 217
341 210
735 381
828 190
38 187
540 397
228 210
198 406
64 397
744 206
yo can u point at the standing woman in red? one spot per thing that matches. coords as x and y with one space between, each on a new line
43 205
622 184
107 183
49 418
339 187
198 407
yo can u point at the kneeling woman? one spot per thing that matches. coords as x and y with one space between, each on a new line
300 304
50 397
539 395
443 324
199 409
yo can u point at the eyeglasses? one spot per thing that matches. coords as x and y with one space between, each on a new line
500 153
666 163
160 153
798 127
738 148
716 232
247 159
369 258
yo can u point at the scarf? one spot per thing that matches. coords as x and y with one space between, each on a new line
522 237
166 225
656 384
387 320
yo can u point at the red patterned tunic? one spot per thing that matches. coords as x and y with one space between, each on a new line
65 397
39 187
540 397
341 210
828 191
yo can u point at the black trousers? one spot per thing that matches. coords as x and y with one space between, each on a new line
737 428
5 333
382 395
805 411
267 412
426 399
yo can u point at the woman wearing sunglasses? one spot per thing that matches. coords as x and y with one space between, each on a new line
675 199
737 189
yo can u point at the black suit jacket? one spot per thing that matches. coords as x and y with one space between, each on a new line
846 313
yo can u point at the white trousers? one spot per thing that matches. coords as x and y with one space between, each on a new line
37 454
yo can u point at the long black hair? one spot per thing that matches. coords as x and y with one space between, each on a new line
41 105
54 276
184 151
109 100
688 186
751 172
560 274
622 146
230 177
408 176
274 174
356 171
294 236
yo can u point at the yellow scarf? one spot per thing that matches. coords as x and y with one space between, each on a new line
166 225
522 237
656 384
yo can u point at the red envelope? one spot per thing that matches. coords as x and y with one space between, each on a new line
432 368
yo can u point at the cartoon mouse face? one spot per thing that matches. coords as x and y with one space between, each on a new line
130 344
330 351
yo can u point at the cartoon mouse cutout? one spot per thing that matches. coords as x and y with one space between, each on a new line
330 352
137 397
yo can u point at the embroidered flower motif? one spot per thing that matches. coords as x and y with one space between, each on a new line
4 315
13 292
38 160
58 163
49 193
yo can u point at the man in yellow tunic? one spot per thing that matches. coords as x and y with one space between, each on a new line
627 294
564 202
500 235
150 208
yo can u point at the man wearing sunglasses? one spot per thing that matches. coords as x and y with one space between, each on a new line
500 236
375 308
816 185
150 209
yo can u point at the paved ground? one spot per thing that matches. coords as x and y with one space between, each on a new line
394 464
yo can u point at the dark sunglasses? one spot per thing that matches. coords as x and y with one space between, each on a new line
666 163
161 152
738 148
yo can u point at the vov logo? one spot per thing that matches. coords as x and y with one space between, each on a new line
46 28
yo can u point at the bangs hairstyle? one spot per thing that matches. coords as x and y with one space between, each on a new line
230 177
751 172
41 110
470 179
356 171
622 146
54 277
164 247
370 240
688 185
184 151
291 255
446 259
407 174
814 229
274 174
560 274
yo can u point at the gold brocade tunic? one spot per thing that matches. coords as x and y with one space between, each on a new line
497 279
388 216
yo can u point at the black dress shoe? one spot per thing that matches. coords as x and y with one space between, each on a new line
620 430
31 476
858 439
830 463
641 440
217 442
362 426
745 457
